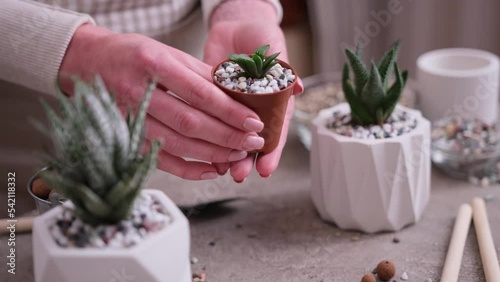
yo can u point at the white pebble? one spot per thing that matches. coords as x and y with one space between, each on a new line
220 71
228 80
225 75
273 82
290 77
276 88
242 85
268 90
274 73
242 78
257 83
404 276
230 69
264 82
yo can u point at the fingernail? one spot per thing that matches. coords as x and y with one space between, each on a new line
265 176
253 142
239 181
253 125
236 156
209 175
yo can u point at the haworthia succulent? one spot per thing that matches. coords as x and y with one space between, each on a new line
258 64
98 166
371 100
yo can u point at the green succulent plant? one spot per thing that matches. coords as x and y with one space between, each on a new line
371 99
258 64
98 165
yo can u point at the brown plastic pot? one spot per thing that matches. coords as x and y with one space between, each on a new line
271 108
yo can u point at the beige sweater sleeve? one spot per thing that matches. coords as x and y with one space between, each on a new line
34 38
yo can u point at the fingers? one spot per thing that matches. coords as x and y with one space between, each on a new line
267 164
200 93
222 168
190 122
190 170
299 87
181 146
241 170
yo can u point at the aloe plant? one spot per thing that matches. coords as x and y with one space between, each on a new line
258 64
371 99
98 166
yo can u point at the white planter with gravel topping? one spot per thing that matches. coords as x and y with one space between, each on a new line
161 257
370 185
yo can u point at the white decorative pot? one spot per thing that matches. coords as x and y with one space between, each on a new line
370 185
162 257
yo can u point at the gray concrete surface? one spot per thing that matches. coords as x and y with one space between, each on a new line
275 234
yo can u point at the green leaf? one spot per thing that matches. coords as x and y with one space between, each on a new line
137 132
373 92
404 74
262 51
359 70
387 62
268 62
394 93
258 62
120 128
358 111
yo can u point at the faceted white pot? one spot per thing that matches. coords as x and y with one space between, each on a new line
162 257
370 185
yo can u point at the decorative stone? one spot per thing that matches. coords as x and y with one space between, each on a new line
386 270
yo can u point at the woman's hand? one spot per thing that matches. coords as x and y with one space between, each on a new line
209 126
242 37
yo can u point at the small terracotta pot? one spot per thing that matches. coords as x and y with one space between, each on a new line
271 108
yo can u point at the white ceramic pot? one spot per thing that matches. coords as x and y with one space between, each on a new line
458 82
163 257
370 185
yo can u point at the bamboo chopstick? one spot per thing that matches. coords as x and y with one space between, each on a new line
457 244
485 241
22 224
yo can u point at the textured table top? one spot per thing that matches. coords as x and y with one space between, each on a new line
275 234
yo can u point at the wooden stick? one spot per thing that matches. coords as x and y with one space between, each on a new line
485 241
22 224
457 244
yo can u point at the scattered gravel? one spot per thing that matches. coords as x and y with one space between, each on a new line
395 240
148 216
404 276
398 124
277 78
467 148
194 260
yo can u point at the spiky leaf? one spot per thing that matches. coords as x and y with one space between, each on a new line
98 166
358 68
387 62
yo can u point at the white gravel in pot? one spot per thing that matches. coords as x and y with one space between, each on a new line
276 79
399 123
148 216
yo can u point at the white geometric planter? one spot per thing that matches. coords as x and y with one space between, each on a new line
163 256
370 185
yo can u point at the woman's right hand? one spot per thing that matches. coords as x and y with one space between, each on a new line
209 126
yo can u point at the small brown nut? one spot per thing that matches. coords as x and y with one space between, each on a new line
40 189
386 270
368 278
